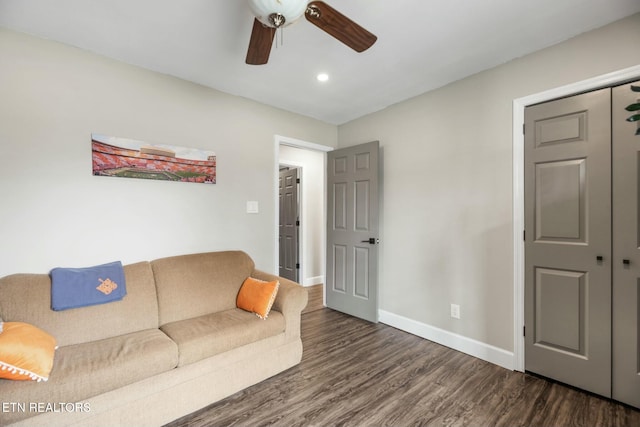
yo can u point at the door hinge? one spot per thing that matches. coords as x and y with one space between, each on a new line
298 223
524 235
523 129
297 265
297 180
524 331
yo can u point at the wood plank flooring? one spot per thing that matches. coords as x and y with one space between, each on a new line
355 373
316 298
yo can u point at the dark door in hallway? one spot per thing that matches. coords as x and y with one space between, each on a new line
289 224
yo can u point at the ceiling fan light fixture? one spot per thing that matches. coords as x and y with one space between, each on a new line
278 13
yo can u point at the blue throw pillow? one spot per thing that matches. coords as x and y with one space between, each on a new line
81 287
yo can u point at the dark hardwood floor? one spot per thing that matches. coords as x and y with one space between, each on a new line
316 298
354 373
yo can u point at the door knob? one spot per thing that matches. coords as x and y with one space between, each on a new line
626 262
371 241
599 258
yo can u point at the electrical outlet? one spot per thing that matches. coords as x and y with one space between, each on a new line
455 311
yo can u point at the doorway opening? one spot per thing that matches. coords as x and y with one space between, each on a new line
309 160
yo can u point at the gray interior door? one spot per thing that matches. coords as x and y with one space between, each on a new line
626 244
289 224
352 230
568 240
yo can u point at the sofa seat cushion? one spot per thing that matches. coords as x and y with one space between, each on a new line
84 370
215 333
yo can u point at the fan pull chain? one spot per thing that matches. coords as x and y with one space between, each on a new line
281 36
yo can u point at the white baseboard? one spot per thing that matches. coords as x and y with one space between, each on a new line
457 342
310 281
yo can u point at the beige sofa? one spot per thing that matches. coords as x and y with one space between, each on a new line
174 344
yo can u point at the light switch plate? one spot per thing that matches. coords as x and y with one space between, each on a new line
253 207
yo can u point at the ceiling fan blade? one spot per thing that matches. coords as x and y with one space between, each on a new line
260 43
339 26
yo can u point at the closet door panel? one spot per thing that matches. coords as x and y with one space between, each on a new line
626 247
568 240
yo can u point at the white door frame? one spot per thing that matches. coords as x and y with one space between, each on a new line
296 143
519 104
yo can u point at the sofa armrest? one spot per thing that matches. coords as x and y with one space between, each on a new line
290 301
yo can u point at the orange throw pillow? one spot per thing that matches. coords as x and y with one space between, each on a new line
257 296
26 352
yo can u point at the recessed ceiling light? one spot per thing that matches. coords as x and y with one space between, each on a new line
322 77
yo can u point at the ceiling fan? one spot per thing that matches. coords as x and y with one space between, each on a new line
274 14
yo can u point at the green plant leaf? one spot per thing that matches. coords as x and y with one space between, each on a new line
634 118
635 88
633 107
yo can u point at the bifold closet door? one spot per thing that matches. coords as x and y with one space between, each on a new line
568 240
626 244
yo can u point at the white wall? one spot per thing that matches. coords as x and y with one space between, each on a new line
53 212
448 188
312 221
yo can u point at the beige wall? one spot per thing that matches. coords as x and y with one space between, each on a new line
55 213
447 216
447 233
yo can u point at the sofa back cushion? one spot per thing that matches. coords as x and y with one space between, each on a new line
193 285
27 298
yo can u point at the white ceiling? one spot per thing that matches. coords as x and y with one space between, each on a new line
422 44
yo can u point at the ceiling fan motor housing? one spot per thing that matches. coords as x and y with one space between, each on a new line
278 13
